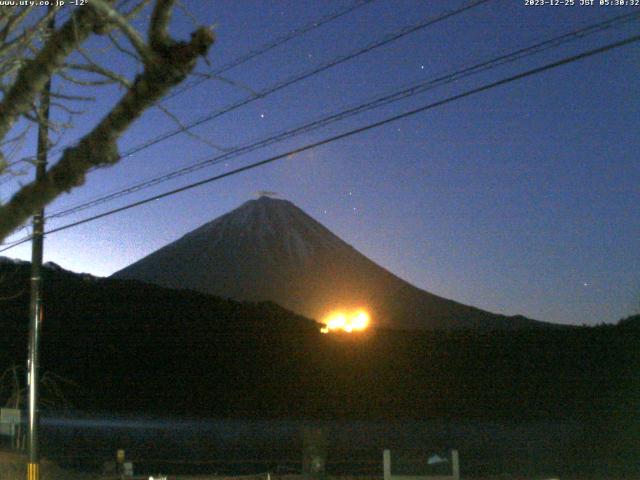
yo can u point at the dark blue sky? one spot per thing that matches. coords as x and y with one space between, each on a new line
523 199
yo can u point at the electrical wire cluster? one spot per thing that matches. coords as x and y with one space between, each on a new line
323 121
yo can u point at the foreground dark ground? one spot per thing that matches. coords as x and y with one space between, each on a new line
510 401
12 469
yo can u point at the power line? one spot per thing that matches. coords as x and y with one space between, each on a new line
303 76
412 90
314 24
288 82
279 86
356 131
270 46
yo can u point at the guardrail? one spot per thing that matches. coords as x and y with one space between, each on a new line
455 469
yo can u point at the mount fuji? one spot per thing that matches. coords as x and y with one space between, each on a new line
269 249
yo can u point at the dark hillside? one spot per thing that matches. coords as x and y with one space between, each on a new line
133 347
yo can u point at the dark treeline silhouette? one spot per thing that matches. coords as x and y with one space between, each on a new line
138 349
133 347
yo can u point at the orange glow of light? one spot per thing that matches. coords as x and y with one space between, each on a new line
347 322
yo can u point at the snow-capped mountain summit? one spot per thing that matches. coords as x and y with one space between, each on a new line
269 249
272 224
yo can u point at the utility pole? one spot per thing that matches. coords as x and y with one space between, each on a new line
35 304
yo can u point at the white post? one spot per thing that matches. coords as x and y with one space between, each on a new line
386 461
455 465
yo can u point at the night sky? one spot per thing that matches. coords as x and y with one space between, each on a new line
520 200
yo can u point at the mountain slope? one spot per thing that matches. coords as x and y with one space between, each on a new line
269 249
134 347
131 348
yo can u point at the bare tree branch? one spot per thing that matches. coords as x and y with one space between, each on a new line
188 132
171 64
75 98
160 18
228 81
95 67
16 144
84 83
33 76
113 16
13 20
121 48
136 10
66 109
188 13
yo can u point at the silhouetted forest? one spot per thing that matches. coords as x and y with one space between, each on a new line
133 347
